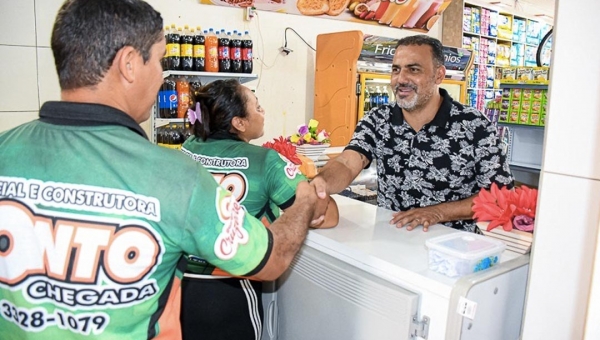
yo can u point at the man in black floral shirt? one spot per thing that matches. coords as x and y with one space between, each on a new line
433 154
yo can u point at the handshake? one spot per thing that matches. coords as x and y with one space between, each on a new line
325 212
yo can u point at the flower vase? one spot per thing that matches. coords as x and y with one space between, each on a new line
311 151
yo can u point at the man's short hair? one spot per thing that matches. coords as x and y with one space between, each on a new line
437 49
87 35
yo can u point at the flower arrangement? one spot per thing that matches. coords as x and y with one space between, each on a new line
285 148
309 134
507 208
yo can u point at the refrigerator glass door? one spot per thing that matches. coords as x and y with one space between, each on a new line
375 90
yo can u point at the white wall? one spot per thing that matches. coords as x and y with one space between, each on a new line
558 302
285 85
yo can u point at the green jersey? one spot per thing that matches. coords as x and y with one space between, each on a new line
261 179
94 220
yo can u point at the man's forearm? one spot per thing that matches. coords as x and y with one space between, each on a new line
457 210
337 175
289 232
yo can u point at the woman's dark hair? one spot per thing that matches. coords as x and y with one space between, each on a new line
87 35
437 49
220 101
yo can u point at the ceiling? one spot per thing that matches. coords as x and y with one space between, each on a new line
539 6
542 10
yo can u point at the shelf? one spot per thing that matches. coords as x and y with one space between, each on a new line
505 39
522 126
524 86
480 35
526 166
500 39
212 76
158 122
204 78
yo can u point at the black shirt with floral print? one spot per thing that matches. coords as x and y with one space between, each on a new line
449 159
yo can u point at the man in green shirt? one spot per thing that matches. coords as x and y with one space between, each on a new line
94 219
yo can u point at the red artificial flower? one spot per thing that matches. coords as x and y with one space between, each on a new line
500 206
285 148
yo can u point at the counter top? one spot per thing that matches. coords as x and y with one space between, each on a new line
365 239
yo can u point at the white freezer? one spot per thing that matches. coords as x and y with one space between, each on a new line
366 279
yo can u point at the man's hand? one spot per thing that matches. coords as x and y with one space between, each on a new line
426 217
319 187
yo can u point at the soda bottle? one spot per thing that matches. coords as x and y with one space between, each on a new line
187 132
236 53
224 61
174 137
380 96
160 136
183 96
385 96
187 50
167 99
367 103
246 53
211 45
173 49
374 97
199 50
164 60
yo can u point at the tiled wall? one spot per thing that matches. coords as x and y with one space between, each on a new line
27 74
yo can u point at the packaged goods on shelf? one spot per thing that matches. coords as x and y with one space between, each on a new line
498 40
190 49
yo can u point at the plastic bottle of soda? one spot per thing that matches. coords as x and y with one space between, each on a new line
375 95
183 93
212 52
367 102
235 50
385 96
224 61
246 53
199 51
164 60
173 49
187 50
380 96
167 99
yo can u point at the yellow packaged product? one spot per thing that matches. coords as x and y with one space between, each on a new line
540 75
524 74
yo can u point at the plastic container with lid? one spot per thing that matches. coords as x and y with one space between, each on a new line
463 253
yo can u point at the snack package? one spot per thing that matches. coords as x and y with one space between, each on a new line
540 75
513 117
516 94
524 74
503 116
534 119
467 26
509 74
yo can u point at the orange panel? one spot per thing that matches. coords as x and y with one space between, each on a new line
335 84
